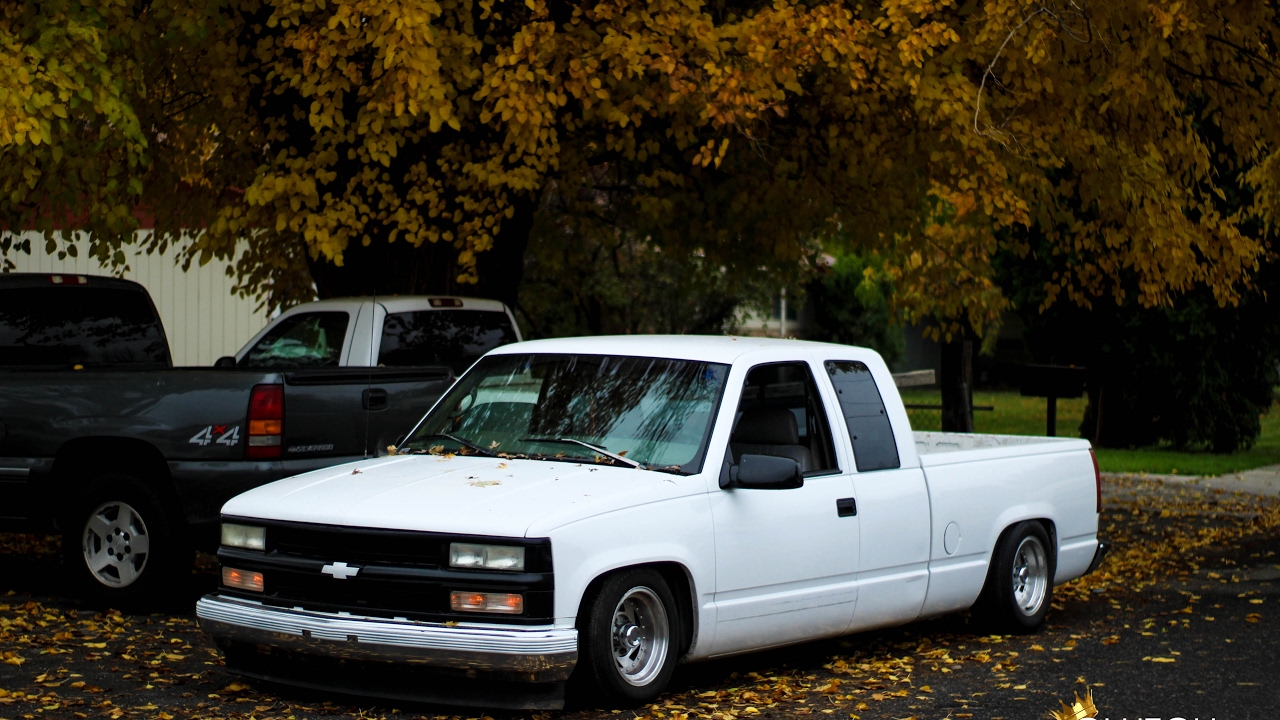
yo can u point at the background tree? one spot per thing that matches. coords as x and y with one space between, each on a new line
850 301
407 145
587 274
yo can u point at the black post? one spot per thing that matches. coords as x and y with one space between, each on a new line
1052 416
957 386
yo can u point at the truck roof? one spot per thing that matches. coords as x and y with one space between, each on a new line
404 303
18 280
708 348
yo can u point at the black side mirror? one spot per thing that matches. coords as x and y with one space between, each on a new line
225 362
764 472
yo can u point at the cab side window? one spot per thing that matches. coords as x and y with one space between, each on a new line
781 414
305 340
874 447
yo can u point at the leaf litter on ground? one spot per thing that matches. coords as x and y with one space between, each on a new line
61 661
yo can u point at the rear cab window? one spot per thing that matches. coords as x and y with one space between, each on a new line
455 338
61 326
870 431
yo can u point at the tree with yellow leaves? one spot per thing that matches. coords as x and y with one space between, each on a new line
407 145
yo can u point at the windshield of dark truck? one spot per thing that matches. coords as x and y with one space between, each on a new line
651 411
89 326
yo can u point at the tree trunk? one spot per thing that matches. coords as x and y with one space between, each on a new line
957 386
399 268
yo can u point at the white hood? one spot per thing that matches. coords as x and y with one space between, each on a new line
467 495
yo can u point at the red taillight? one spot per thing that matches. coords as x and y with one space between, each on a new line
1097 478
266 422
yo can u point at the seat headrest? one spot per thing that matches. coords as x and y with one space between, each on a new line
767 426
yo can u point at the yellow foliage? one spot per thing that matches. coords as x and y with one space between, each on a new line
938 132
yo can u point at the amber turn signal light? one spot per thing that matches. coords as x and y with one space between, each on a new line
242 579
505 603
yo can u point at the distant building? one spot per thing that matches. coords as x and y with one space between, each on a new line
202 317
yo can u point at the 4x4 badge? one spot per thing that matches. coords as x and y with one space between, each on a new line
340 570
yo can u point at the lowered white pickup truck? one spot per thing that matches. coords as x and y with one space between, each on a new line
608 507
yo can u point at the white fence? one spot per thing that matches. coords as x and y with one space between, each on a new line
201 316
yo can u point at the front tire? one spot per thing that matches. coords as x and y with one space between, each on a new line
629 637
1019 584
121 548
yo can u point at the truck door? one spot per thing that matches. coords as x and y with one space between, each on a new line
786 560
893 504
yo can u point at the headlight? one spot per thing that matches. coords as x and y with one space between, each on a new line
244 536
487 557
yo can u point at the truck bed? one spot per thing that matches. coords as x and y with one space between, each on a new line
944 448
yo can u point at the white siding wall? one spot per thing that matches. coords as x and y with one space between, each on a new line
201 316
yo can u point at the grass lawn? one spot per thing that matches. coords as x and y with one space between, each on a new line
1017 415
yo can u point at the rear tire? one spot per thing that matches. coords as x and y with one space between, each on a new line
629 637
120 548
1019 584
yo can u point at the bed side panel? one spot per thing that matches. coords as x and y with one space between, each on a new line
984 496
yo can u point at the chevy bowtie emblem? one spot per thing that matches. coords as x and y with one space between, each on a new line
340 570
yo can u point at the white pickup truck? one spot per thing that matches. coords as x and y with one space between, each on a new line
608 507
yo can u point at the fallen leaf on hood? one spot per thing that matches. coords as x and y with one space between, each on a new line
484 483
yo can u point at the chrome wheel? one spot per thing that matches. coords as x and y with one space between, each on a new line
1030 575
115 544
640 636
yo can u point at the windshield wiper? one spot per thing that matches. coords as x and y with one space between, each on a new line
464 443
589 446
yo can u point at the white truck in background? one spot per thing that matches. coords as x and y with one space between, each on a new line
131 458
607 507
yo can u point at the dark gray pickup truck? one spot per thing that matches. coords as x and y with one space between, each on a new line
131 458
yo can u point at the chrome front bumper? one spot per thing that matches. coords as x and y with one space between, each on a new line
514 652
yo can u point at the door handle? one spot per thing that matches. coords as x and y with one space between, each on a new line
846 507
374 399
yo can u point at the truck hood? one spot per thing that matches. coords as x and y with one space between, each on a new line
456 494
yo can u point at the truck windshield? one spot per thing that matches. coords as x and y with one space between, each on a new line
305 340
652 411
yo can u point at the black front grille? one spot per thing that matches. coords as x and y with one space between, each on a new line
401 573
360 546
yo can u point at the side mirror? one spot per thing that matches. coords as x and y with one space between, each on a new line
225 362
764 472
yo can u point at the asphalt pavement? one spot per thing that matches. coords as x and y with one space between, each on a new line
1182 621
